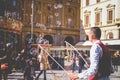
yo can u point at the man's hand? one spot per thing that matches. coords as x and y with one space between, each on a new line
73 76
4 66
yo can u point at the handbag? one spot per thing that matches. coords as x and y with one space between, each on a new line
100 74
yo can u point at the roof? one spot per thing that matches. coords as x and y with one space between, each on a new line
113 44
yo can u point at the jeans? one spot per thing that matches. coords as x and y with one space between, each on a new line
79 69
104 78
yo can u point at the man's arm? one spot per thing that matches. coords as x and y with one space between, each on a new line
94 59
2 58
73 76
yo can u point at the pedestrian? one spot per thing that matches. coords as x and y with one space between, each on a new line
5 61
29 70
115 61
2 55
81 62
20 60
73 65
100 59
42 58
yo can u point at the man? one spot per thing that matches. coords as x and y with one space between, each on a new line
5 60
97 54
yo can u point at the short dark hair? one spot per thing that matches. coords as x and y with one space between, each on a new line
96 31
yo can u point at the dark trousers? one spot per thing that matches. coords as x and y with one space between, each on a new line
0 72
42 71
29 73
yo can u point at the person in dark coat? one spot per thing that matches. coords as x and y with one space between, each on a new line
5 59
81 62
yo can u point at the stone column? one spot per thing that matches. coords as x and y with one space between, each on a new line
118 9
116 34
103 36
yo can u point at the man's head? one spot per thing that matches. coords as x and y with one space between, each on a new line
94 34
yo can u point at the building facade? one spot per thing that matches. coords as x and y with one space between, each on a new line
11 23
103 14
56 20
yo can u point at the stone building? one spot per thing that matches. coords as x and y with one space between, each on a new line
103 14
56 20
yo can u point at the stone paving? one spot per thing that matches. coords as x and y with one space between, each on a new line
60 75
115 75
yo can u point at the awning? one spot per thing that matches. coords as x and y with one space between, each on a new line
112 44
86 43
106 42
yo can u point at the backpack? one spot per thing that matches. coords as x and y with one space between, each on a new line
105 62
105 66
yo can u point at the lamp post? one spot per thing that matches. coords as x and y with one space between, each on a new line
32 19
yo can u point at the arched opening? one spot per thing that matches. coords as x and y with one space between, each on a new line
49 38
110 35
69 39
87 37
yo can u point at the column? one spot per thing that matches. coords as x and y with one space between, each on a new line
117 8
116 34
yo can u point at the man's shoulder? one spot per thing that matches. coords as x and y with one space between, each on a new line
95 46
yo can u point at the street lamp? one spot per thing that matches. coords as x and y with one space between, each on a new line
32 19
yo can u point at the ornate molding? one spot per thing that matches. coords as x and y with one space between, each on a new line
98 9
87 12
110 6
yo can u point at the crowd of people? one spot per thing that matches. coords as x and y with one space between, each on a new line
99 69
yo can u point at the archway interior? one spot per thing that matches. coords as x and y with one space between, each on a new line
49 38
70 40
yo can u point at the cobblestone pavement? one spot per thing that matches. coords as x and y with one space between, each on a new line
60 75
115 75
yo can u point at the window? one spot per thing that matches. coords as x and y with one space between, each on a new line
69 22
69 0
97 1
86 20
110 16
87 2
48 21
110 13
49 7
98 16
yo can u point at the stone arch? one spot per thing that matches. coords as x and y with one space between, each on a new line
110 35
69 39
49 38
